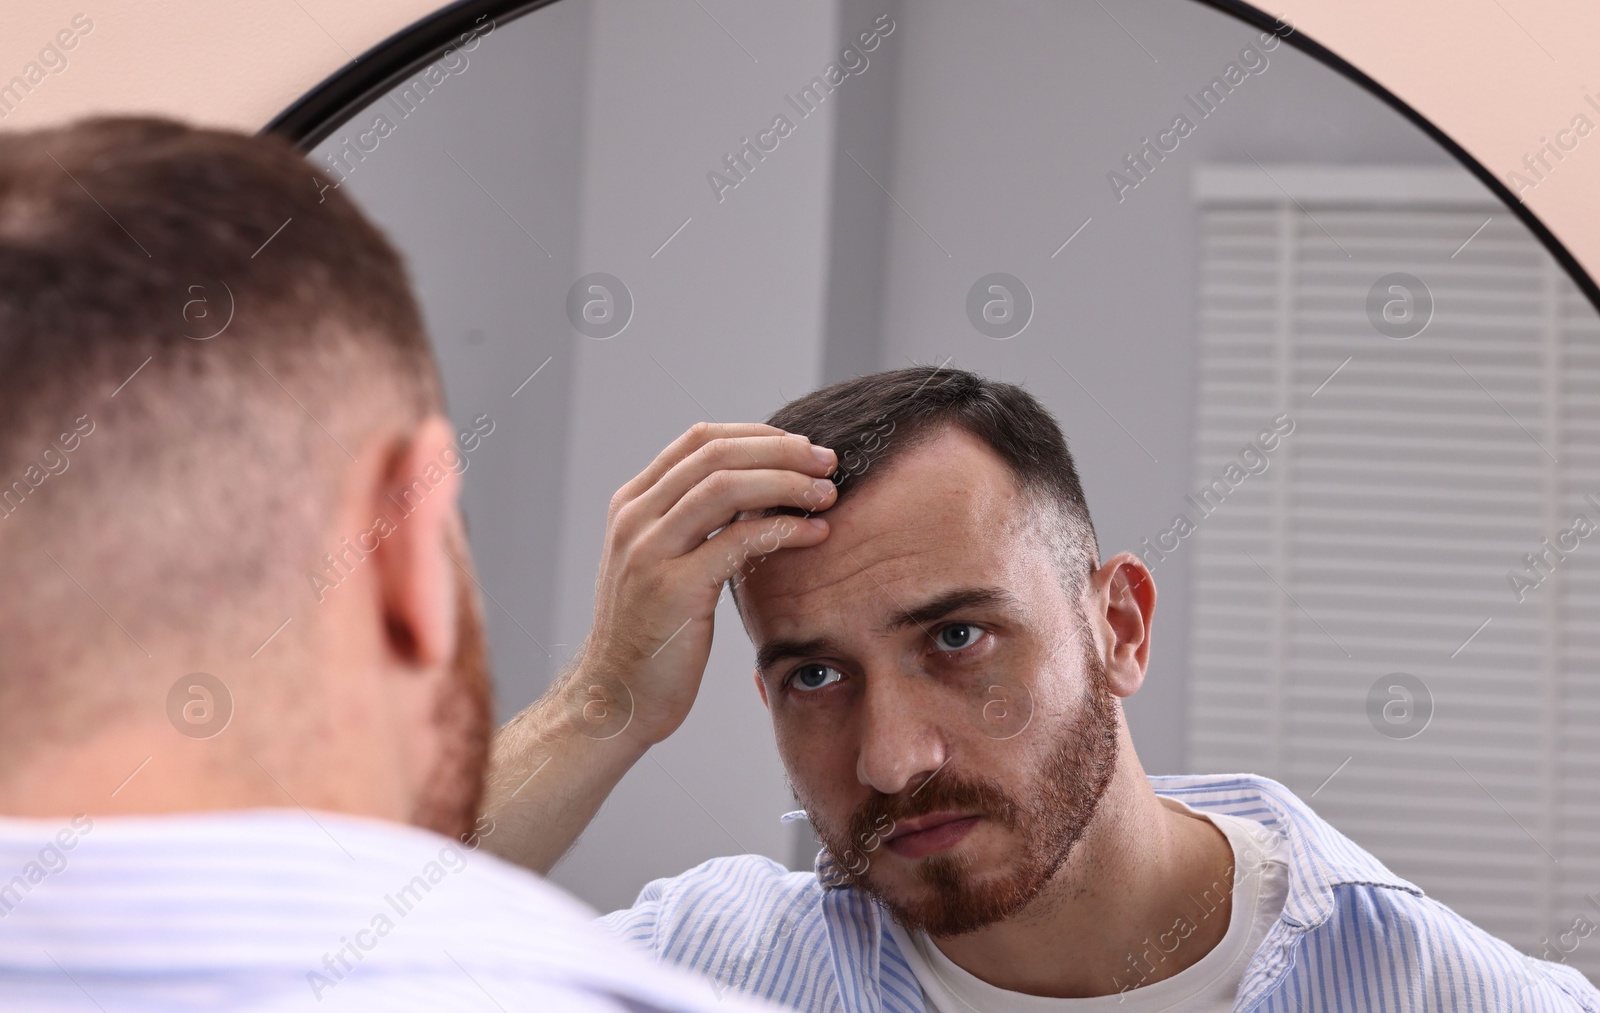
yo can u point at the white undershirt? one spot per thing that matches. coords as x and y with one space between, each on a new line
1260 884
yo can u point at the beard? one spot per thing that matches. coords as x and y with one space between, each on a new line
1046 824
450 796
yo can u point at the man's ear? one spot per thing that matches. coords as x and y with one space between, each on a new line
1129 603
419 492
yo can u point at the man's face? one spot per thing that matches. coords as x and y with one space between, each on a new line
938 700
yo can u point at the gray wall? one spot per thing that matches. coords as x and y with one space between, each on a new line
588 128
727 322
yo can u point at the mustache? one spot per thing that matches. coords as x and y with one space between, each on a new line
878 815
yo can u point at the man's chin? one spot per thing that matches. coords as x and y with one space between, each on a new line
957 889
941 912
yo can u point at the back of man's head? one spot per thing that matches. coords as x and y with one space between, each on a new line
200 338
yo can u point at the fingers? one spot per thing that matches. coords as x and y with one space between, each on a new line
741 546
697 436
734 454
721 494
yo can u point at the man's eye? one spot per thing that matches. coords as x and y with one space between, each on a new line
807 678
956 636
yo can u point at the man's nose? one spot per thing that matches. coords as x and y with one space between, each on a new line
902 743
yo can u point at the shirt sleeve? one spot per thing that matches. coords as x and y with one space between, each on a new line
735 919
1534 984
1391 950
639 925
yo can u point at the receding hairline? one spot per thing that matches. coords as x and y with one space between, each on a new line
1038 493
1051 517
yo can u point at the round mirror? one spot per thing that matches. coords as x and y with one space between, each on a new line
1339 394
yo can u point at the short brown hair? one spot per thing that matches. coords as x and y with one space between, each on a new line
871 420
125 241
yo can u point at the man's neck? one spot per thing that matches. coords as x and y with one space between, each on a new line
1124 900
136 768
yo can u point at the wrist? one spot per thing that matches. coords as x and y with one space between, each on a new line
601 707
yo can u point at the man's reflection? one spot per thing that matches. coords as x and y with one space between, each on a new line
944 657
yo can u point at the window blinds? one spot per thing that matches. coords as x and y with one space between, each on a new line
1358 634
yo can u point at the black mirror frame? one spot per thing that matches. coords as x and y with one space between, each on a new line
361 82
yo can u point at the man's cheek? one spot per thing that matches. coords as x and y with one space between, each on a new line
813 762
826 786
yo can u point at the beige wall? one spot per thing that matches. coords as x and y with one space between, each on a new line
1499 79
234 63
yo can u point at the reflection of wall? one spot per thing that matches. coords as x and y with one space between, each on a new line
727 322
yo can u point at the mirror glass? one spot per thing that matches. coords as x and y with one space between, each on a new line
1339 398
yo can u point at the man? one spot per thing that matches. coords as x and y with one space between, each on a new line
943 655
243 707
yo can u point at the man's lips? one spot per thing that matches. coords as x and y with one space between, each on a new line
928 834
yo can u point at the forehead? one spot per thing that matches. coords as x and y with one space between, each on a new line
945 514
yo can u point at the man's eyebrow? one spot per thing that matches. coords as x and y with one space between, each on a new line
776 650
952 601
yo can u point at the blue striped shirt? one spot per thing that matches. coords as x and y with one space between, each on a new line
275 909
1351 936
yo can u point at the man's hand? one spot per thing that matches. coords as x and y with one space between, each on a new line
661 575
662 570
